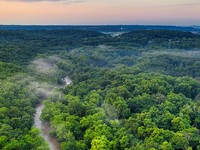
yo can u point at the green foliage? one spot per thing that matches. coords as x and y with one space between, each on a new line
161 38
144 109
128 92
16 116
8 70
100 143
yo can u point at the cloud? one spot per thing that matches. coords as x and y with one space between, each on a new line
187 4
63 1
73 2
183 4
169 3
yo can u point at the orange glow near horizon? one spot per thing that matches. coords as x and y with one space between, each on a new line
100 12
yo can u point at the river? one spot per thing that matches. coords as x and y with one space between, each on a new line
44 126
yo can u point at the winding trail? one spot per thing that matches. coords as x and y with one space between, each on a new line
44 126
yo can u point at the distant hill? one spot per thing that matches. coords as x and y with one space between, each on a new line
171 39
101 28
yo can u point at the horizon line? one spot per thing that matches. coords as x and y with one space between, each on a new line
99 25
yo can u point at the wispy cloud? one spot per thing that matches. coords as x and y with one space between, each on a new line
187 4
64 1
73 1
182 4
163 3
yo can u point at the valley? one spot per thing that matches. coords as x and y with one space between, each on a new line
71 88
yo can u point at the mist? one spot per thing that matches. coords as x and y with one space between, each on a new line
46 69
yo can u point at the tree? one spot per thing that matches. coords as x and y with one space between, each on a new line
100 143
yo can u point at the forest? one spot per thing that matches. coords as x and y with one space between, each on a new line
139 90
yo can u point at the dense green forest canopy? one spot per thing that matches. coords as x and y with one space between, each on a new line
21 46
138 90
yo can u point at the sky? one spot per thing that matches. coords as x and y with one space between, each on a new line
100 12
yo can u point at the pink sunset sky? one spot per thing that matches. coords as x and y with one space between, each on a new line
93 12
